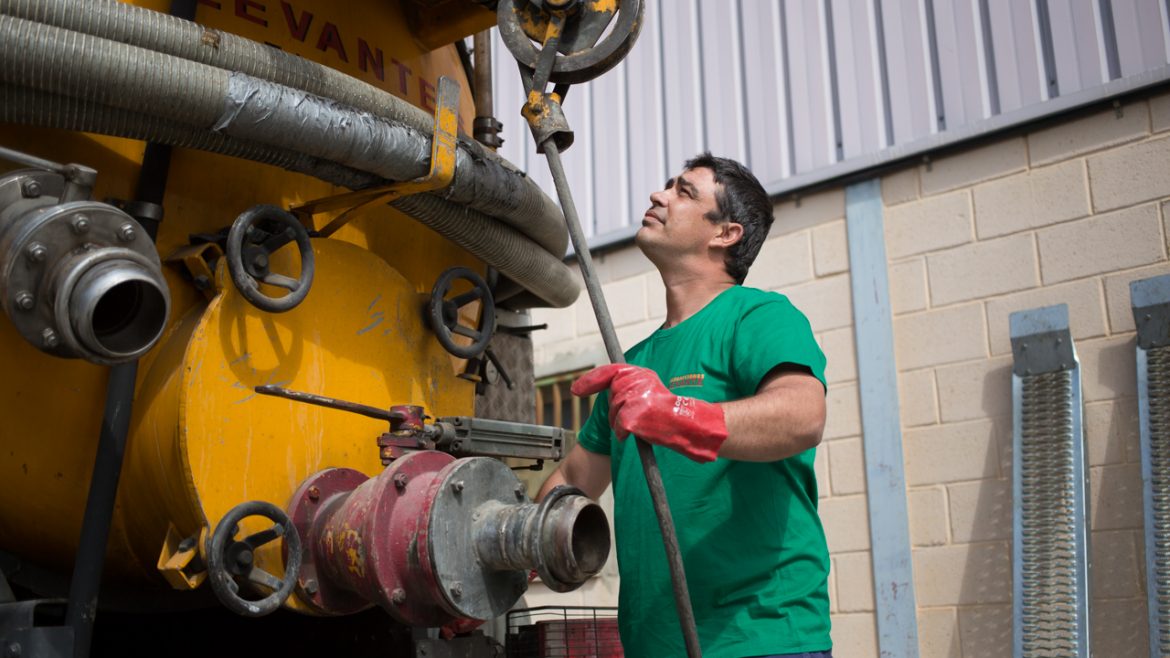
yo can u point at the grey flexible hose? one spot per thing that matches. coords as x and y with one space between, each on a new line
546 276
268 115
482 180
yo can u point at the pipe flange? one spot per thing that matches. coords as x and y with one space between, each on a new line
46 249
310 508
464 488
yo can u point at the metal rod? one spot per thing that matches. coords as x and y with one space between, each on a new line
30 160
81 609
332 403
678 577
482 54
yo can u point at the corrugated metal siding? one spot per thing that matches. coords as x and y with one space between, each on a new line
805 90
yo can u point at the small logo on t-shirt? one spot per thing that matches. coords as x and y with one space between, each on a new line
685 380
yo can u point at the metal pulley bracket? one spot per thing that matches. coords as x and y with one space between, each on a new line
579 52
547 120
442 171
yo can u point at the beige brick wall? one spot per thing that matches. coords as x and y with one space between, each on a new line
1068 214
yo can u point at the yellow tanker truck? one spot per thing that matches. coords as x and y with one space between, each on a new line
255 276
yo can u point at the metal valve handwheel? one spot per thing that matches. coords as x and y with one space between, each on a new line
255 235
444 313
582 57
231 562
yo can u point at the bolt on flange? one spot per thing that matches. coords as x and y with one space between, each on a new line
36 252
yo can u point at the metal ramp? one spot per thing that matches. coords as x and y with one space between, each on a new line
1150 299
1050 563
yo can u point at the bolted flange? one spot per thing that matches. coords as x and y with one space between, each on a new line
126 232
80 224
25 301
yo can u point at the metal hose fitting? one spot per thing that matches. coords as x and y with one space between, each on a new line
78 278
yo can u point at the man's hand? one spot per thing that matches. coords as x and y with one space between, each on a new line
640 405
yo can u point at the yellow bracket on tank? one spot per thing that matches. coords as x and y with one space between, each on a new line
440 175
181 561
197 260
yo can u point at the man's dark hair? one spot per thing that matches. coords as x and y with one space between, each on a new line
741 199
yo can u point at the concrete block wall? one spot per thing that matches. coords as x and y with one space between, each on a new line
1070 213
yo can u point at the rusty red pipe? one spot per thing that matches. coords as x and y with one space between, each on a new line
433 539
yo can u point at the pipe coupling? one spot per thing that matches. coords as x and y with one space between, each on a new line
434 539
78 278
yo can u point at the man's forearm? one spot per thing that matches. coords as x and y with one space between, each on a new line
785 418
585 470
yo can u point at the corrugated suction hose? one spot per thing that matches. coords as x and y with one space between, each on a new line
201 98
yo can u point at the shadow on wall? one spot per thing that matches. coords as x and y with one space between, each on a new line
981 531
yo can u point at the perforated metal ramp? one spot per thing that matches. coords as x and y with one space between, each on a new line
1151 313
1050 601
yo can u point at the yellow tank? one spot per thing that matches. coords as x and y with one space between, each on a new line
201 440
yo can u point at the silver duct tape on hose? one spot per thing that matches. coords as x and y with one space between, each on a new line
482 179
272 114
545 275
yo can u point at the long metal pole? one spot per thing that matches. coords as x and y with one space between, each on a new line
678 577
81 609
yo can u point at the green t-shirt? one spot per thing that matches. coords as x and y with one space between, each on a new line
754 550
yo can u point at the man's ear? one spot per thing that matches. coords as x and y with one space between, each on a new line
729 234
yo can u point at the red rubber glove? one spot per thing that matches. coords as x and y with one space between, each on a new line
640 405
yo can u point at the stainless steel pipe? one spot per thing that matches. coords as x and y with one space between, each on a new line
565 538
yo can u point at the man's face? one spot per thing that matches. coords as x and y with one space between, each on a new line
675 223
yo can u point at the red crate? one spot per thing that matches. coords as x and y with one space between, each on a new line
562 632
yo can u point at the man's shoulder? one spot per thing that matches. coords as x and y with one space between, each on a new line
748 299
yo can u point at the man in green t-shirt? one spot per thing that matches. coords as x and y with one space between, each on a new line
730 392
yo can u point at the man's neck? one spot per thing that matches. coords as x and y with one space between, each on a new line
687 295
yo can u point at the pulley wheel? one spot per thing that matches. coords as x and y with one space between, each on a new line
582 56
